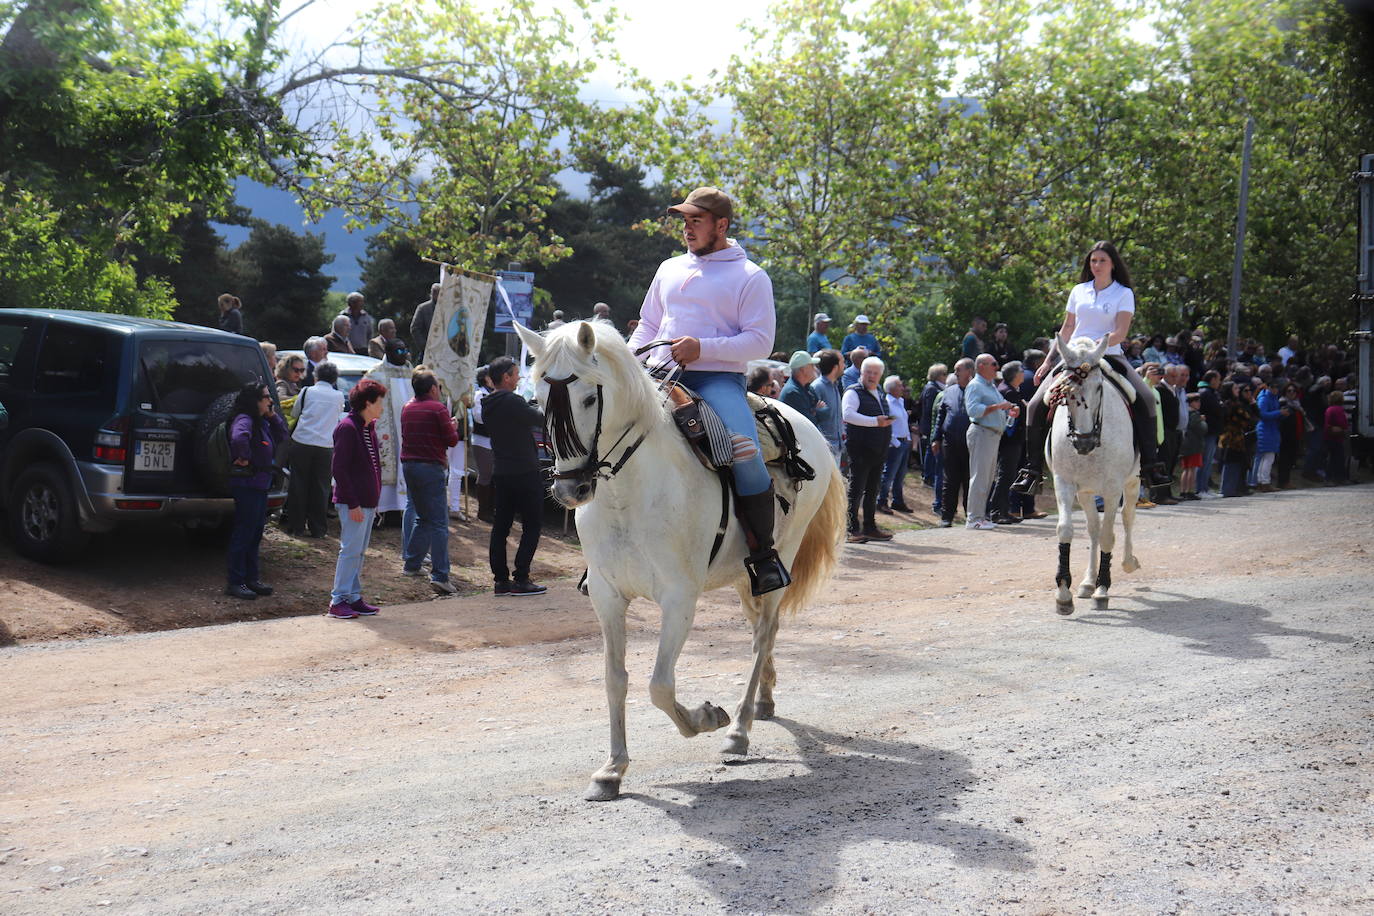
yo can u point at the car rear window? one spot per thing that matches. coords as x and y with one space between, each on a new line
185 376
11 335
77 362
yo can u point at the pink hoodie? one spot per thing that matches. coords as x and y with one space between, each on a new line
722 298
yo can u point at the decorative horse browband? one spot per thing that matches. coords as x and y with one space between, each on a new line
1069 387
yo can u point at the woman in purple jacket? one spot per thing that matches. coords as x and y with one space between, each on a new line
255 430
357 471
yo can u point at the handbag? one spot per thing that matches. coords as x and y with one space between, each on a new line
294 406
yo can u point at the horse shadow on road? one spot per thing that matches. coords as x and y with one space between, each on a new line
786 834
1227 629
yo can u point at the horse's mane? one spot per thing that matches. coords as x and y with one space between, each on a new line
612 366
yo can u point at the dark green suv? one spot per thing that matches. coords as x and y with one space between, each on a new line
109 417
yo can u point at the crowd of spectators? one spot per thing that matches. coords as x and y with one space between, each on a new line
1226 426
345 456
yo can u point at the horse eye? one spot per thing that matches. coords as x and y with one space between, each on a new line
589 400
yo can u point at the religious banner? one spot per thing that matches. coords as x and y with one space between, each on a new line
455 336
396 379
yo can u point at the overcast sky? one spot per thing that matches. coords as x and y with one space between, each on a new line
662 40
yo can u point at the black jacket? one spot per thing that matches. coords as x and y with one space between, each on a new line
509 420
1168 408
1212 410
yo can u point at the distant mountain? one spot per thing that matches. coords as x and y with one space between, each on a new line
277 206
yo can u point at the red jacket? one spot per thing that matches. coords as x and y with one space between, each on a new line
427 431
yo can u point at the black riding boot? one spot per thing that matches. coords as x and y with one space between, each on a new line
766 572
1028 479
1146 431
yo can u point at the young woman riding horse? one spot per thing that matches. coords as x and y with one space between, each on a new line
1102 305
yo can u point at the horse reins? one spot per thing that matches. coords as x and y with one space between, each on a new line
564 433
1069 390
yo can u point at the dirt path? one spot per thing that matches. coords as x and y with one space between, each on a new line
944 743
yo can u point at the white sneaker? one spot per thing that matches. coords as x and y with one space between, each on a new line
442 588
1209 494
981 524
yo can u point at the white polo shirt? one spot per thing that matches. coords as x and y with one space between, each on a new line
1096 310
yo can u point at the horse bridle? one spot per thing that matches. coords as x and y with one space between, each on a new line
566 441
1069 391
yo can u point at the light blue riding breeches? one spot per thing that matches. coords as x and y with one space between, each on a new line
725 391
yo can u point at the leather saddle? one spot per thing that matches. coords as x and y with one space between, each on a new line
714 445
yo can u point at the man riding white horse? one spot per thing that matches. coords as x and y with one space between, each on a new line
1102 305
715 308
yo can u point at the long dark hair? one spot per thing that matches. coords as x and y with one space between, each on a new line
246 402
1119 272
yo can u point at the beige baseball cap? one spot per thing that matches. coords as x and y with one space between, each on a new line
712 200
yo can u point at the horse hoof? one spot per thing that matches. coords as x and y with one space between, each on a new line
718 715
1130 564
1100 604
764 709
735 744
1086 591
1063 608
602 790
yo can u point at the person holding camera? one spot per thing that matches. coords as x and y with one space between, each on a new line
255 431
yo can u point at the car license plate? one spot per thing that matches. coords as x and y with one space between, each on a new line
154 456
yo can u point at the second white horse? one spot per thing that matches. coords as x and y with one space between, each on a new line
1091 454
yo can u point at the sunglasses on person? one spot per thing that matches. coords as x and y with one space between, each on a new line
298 369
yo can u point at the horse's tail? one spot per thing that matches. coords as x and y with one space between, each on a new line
819 549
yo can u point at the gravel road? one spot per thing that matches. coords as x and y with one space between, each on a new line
945 743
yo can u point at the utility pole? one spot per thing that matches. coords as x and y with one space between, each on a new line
1233 325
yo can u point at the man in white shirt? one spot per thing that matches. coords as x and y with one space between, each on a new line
898 451
317 411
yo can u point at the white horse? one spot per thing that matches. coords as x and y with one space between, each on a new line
1091 453
648 513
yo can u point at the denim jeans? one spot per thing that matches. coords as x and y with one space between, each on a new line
724 391
353 541
250 514
1315 457
935 470
894 472
1204 474
427 501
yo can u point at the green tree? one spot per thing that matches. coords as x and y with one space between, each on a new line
199 268
281 284
395 279
611 260
836 114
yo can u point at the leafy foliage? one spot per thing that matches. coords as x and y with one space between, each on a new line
281 284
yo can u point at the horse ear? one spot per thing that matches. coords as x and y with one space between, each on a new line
586 337
1056 346
1101 348
532 339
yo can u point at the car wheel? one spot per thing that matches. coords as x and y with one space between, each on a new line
214 478
44 522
